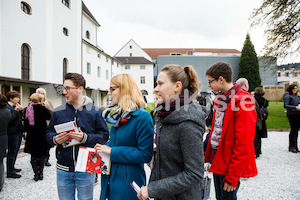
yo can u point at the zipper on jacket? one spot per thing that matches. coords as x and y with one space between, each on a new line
74 159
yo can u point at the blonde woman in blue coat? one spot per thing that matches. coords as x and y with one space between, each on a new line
131 139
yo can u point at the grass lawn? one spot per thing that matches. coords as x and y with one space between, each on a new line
277 118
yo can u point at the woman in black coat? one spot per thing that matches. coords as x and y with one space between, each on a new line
291 103
36 116
263 103
5 116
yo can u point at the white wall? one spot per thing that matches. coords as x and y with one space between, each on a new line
43 32
135 51
291 78
89 25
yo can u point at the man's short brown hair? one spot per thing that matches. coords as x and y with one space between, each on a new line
77 79
12 94
220 69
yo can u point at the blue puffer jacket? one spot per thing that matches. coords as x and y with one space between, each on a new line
89 119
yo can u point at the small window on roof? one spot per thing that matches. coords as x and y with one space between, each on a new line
26 8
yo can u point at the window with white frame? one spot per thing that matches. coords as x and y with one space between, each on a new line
87 34
142 67
65 31
98 71
99 55
143 79
88 68
287 74
106 59
279 74
26 8
127 66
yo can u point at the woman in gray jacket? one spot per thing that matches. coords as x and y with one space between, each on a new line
180 124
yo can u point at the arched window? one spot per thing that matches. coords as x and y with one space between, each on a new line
26 8
87 34
25 56
65 67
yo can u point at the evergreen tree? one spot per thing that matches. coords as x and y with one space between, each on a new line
248 66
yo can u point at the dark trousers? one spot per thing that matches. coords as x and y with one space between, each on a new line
295 125
1 173
37 163
257 142
220 193
13 146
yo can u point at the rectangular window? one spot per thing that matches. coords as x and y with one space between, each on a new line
107 75
88 68
127 66
99 55
142 67
143 79
98 71
106 59
112 61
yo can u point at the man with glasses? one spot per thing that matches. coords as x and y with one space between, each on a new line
230 148
92 129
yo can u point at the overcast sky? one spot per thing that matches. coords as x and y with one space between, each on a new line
176 24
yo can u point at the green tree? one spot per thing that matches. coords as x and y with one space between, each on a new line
248 66
281 19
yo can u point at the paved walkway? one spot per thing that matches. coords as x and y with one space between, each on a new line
278 177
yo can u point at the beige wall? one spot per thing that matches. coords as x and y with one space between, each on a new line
274 92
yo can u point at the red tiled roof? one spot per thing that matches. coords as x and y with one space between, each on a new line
155 52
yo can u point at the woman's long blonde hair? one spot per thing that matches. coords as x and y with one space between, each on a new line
130 96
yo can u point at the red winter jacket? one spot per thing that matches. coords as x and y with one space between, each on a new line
235 157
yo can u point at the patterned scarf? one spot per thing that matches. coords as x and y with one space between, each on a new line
163 112
30 113
115 118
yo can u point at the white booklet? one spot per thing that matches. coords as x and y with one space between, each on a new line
88 160
67 127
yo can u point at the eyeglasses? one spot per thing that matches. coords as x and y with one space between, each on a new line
69 88
112 88
210 81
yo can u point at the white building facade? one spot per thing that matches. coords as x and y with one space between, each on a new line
40 41
139 65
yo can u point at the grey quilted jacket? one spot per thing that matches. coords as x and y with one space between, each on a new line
178 167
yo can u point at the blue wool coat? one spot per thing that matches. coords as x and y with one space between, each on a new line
132 146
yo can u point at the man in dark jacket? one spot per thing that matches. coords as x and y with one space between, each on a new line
92 129
14 133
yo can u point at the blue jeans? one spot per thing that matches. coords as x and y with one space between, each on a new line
13 146
67 182
220 193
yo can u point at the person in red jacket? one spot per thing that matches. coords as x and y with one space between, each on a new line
230 148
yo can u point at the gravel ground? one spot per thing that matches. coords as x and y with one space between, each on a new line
278 176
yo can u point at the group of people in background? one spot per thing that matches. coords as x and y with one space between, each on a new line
30 122
235 120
